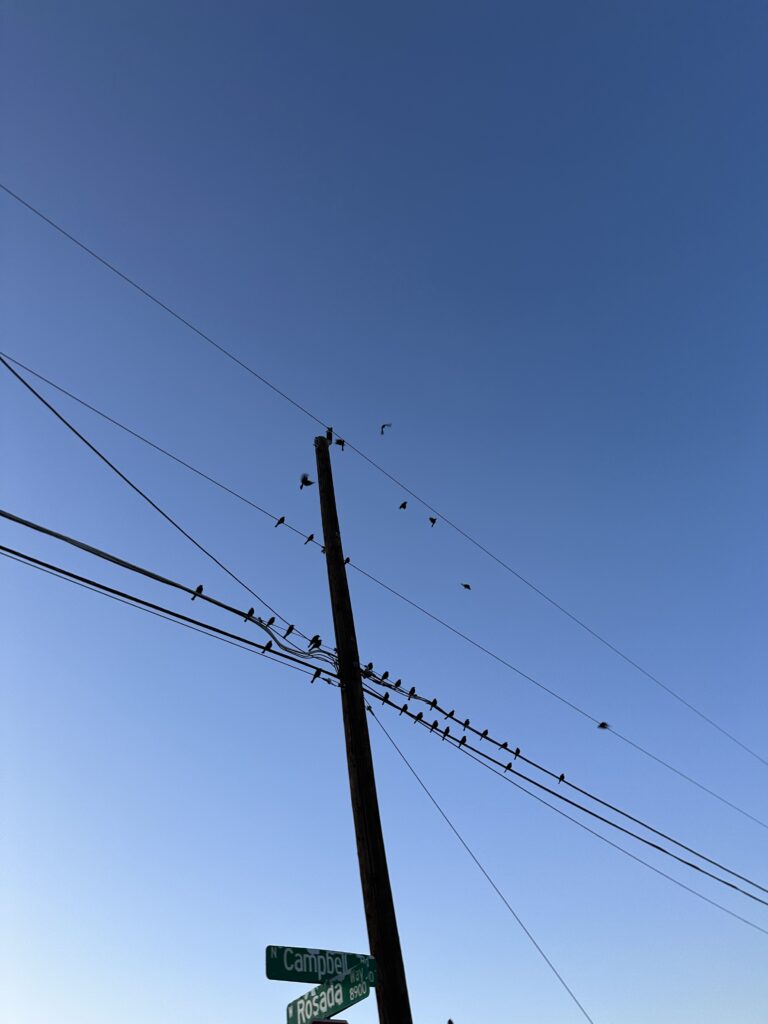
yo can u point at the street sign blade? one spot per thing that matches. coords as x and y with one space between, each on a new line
296 963
322 1002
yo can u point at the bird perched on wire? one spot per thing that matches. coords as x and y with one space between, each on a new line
346 560
603 725
432 520
466 586
271 621
280 521
315 642
311 537
329 434
198 591
267 646
403 504
249 615
288 632
340 442
305 481
561 779
385 426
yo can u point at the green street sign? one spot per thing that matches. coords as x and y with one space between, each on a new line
332 997
295 963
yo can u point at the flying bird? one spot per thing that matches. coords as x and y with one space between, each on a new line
280 521
305 482
340 442
288 632
403 504
249 615
198 591
466 586
311 537
384 426
432 520
603 725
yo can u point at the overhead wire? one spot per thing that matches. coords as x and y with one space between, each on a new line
138 490
455 742
465 534
331 678
481 868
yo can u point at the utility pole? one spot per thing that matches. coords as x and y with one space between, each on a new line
391 986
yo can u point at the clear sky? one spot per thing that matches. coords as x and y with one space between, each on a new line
533 238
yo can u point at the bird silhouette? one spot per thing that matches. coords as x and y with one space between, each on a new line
386 698
271 621
403 504
198 591
403 708
280 521
517 752
249 615
433 726
462 741
418 717
508 767
311 537
446 731
432 520
451 713
397 684
384 426
433 703
316 675
504 746
346 561
340 442
288 632
484 734
329 434
561 779
411 693
466 586
465 724
267 646
315 642
603 725
384 676
305 482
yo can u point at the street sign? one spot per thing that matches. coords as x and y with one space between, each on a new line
295 963
332 997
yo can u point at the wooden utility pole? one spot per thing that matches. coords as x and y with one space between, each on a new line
391 986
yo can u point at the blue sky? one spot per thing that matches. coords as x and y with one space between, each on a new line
533 238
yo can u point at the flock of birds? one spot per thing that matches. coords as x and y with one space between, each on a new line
306 482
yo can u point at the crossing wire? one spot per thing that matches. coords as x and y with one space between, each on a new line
454 526
330 678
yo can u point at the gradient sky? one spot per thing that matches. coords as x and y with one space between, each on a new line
531 236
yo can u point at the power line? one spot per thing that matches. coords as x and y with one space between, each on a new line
460 745
487 877
330 657
132 598
395 593
138 490
214 633
560 778
467 536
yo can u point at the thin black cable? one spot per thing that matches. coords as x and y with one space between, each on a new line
395 593
160 608
329 656
519 576
517 755
157 578
455 742
621 849
166 618
485 874
137 489
553 693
